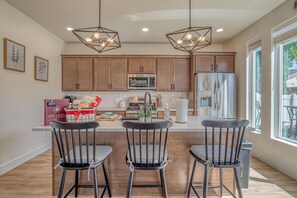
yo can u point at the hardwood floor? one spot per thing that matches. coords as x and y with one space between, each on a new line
33 179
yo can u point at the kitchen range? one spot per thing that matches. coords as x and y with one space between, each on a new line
135 104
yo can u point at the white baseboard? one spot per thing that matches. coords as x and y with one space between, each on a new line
22 159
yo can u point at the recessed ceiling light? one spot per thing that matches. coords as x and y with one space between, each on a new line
220 30
145 29
69 28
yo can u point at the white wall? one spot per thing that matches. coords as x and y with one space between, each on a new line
134 49
21 97
276 153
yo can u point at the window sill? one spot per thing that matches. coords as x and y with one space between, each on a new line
288 142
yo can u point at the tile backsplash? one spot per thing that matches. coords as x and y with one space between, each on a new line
112 99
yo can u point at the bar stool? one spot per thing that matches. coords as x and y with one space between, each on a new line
147 150
78 151
221 150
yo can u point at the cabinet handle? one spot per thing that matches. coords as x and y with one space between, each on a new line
216 67
110 86
173 86
211 67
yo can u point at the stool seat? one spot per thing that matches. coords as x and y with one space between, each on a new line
200 152
101 153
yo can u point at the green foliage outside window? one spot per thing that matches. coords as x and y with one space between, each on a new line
289 57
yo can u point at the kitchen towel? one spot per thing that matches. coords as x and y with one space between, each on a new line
182 110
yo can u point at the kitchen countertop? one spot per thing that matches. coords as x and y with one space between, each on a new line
193 125
172 109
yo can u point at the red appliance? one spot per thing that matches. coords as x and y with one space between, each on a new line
54 110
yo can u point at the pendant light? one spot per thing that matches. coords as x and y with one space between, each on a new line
98 38
192 38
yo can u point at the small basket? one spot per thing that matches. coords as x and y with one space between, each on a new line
81 115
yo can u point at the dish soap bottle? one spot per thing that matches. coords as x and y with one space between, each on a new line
167 112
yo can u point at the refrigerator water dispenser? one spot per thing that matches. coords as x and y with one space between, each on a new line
205 101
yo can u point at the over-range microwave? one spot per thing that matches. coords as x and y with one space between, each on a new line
142 81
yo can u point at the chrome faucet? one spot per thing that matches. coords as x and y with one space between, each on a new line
145 101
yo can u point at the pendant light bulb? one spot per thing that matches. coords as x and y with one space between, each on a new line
97 35
189 36
103 44
110 40
179 41
88 39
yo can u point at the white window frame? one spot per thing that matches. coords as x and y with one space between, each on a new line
280 35
252 47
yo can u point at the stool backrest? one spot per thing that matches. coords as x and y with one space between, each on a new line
223 141
76 142
147 142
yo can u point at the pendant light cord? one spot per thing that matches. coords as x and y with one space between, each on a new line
99 13
189 13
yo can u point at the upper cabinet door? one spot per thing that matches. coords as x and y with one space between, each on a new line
148 65
204 63
181 74
101 74
69 74
165 72
118 74
85 74
135 65
142 66
225 63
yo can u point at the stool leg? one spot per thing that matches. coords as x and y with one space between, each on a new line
95 183
164 183
221 182
76 183
192 178
205 184
106 179
60 193
130 183
237 183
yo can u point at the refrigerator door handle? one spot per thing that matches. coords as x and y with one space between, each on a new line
215 94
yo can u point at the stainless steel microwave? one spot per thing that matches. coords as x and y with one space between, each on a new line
142 81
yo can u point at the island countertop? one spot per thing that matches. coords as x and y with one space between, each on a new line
193 125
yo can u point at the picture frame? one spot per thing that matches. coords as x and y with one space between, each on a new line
41 69
14 55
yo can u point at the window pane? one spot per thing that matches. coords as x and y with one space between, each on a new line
258 89
288 110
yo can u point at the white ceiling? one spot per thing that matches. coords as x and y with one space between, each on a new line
128 17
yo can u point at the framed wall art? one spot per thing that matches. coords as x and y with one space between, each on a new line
14 55
41 69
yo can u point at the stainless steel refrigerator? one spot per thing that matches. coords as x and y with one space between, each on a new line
214 95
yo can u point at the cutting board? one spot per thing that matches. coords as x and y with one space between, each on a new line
114 118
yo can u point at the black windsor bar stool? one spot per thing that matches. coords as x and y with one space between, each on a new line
147 150
221 150
77 147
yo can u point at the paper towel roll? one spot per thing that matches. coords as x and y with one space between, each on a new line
182 110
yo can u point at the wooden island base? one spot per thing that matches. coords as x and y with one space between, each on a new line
177 172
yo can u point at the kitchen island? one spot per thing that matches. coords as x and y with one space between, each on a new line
178 171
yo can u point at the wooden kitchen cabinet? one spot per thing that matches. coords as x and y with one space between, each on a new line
142 66
77 74
110 74
173 74
214 62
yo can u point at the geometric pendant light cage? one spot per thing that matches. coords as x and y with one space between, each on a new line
192 38
98 38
